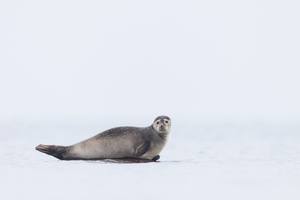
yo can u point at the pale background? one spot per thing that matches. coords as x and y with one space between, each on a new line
226 72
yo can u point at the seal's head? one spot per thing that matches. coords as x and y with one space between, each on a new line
162 124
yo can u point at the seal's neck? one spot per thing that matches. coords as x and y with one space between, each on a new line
163 136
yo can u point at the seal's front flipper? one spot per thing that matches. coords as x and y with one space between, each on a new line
53 150
142 148
156 158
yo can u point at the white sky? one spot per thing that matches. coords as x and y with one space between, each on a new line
180 58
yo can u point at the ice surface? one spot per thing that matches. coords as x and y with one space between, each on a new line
255 161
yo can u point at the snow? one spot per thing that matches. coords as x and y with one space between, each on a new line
233 161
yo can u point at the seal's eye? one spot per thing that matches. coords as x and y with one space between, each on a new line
166 121
157 122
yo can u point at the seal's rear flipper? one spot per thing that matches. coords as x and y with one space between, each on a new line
53 150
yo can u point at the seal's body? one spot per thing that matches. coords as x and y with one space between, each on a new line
117 143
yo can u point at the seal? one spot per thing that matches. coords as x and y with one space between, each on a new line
122 143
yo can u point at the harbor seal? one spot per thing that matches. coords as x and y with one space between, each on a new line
122 143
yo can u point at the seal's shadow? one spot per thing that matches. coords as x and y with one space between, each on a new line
127 160
131 161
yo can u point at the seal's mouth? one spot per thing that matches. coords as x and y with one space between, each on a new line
162 128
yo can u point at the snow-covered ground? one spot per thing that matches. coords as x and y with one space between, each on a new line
201 161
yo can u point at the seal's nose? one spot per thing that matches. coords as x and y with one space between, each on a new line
161 127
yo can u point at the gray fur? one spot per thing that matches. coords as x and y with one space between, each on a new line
117 143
